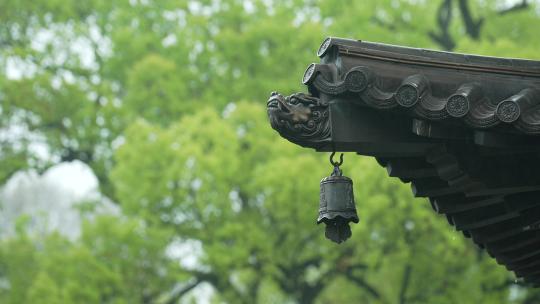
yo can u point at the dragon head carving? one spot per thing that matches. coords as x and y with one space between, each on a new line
300 118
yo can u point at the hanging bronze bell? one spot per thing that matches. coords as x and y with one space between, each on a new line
337 207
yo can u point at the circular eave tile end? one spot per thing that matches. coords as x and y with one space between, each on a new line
457 106
309 74
508 111
407 95
356 80
324 47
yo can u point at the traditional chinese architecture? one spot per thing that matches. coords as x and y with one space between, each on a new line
462 129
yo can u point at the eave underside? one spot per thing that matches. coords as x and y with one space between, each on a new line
492 199
488 187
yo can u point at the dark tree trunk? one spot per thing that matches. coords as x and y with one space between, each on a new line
444 18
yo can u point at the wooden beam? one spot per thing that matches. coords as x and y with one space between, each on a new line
460 203
410 168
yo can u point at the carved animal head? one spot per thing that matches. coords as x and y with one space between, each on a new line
300 118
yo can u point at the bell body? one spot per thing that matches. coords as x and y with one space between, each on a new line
337 207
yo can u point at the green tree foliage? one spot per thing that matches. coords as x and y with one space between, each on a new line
115 261
165 101
257 230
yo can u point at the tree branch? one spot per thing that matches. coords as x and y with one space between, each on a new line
405 284
362 283
444 17
472 27
220 283
178 294
516 7
310 292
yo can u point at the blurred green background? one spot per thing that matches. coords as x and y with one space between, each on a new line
138 165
